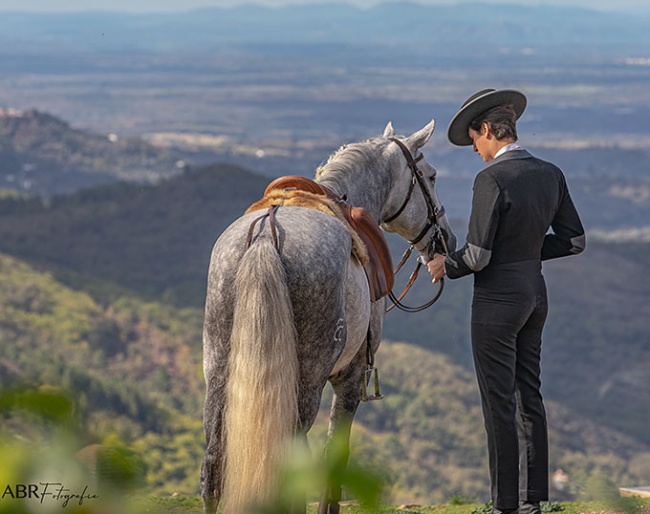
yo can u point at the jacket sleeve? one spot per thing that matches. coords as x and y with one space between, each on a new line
483 222
568 235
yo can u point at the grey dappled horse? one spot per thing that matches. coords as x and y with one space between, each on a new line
280 323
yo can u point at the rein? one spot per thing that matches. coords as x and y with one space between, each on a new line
437 237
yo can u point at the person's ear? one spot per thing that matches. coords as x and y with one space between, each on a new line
486 130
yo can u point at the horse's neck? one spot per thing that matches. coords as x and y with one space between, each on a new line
361 187
354 192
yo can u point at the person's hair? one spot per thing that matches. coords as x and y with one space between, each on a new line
502 120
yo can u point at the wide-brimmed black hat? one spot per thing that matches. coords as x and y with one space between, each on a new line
477 104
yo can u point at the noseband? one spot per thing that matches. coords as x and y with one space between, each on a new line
437 239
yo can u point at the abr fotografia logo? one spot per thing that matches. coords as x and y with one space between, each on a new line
46 492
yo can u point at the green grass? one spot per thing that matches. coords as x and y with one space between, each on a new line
191 505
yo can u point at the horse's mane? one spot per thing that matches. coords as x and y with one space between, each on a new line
351 156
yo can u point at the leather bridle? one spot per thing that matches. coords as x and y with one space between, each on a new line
436 241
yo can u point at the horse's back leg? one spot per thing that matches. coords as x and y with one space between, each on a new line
217 328
215 356
213 463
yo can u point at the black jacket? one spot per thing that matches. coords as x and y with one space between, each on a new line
517 197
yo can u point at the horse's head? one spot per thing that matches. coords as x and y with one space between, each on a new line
413 208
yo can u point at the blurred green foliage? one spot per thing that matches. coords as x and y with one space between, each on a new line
49 469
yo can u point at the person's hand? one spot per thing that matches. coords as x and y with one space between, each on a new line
436 267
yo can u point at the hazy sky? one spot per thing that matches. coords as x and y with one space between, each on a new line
183 5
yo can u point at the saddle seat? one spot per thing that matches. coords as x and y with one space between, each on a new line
375 255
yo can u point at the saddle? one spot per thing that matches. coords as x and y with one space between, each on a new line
368 242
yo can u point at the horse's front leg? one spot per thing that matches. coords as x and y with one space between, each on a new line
347 395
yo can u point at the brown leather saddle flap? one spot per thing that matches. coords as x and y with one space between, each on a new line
379 268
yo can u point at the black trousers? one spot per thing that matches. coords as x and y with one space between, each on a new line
509 309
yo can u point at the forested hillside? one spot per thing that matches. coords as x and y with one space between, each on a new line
110 308
155 242
595 353
133 371
131 368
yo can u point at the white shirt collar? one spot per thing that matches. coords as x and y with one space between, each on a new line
508 148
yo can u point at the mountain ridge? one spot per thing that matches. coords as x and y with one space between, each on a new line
384 23
43 154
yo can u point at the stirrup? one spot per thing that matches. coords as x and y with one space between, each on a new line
367 375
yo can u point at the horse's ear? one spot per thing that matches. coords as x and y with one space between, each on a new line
389 131
420 138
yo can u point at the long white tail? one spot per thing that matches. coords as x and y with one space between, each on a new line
261 406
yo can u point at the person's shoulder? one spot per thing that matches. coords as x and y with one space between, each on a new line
549 167
551 171
508 160
488 177
523 158
546 163
505 164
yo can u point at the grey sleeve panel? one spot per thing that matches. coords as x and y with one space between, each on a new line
568 237
578 244
483 222
475 257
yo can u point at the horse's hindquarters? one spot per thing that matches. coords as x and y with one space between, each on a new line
315 250
328 288
314 257
357 314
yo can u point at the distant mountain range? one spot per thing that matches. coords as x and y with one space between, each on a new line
42 154
298 81
548 28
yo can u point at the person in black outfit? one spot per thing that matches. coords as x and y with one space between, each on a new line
516 199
